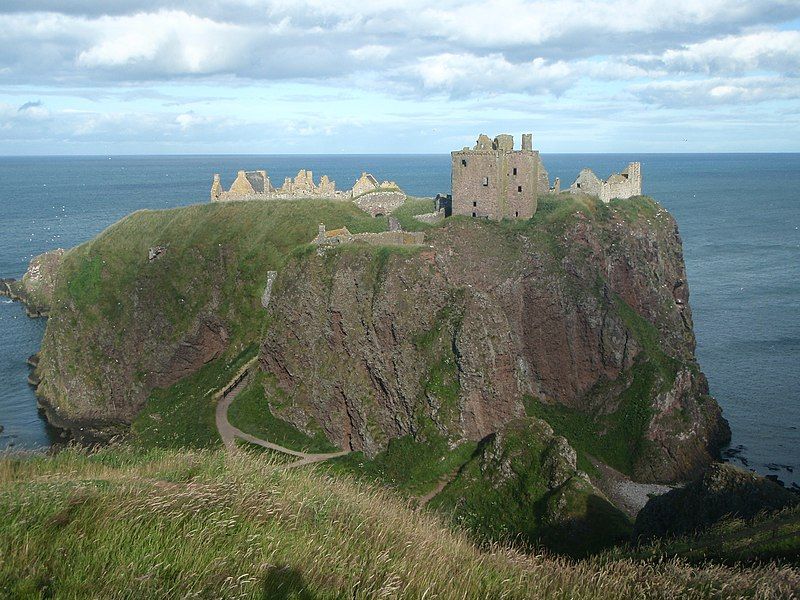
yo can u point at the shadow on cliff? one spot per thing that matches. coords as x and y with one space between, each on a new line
597 527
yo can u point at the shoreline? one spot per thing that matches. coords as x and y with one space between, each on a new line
11 288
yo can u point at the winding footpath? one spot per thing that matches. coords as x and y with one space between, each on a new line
229 433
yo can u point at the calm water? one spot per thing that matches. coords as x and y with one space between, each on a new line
738 214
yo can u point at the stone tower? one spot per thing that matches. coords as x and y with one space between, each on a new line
494 181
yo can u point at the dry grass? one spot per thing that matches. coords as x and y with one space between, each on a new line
205 524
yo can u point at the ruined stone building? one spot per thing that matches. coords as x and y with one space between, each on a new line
492 180
376 198
255 185
395 237
626 184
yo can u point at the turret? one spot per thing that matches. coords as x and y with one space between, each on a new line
527 142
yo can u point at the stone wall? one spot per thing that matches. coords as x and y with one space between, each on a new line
337 237
380 202
494 181
626 184
391 238
370 195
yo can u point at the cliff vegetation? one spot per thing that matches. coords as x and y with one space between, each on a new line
122 523
478 375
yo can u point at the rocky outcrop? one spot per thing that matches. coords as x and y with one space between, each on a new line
35 289
371 345
585 310
523 484
99 361
723 491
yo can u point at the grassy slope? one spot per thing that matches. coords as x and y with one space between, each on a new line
507 497
251 413
125 524
245 239
767 537
217 253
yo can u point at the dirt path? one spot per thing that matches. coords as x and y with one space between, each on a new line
229 433
443 482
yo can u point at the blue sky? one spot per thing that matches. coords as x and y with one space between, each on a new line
326 76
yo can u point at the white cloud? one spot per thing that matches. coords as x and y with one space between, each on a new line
469 73
165 59
717 91
370 52
765 50
169 41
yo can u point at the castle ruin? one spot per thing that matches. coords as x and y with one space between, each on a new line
626 184
372 196
394 237
494 181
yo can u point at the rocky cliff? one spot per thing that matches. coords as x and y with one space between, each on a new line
721 492
158 296
585 311
35 289
579 316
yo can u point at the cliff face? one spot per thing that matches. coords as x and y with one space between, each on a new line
579 316
157 296
588 312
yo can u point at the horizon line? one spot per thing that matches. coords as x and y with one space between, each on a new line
192 154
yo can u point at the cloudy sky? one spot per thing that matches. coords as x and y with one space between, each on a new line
330 76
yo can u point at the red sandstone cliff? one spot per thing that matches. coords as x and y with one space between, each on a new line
372 346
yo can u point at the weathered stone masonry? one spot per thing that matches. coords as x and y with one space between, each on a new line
626 184
494 181
490 180
376 198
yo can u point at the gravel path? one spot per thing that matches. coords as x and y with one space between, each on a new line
229 433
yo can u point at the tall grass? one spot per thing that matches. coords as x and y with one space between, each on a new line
163 524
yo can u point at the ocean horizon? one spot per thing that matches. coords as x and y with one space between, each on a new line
738 214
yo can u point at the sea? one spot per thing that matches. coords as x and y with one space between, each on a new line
738 214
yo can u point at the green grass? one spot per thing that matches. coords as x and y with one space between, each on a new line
164 524
182 415
767 537
554 209
279 458
411 207
503 494
410 467
251 413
